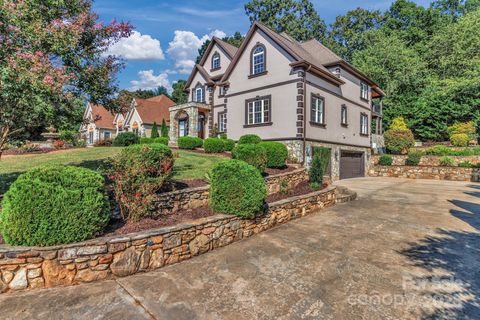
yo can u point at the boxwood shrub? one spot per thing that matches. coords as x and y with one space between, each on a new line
236 188
229 144
253 154
51 205
385 160
213 145
277 154
188 142
160 140
249 138
198 142
125 139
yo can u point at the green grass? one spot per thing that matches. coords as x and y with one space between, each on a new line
189 165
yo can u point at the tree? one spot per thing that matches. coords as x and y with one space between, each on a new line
298 18
179 95
235 40
154 133
164 129
52 55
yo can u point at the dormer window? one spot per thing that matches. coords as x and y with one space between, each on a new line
337 72
199 94
258 60
216 61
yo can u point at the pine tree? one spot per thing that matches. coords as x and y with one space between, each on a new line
164 129
154 133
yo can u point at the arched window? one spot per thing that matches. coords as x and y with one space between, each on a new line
199 93
215 61
258 59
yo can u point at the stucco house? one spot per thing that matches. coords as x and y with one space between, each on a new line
299 93
98 124
143 113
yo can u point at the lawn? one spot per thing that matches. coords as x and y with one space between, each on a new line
189 165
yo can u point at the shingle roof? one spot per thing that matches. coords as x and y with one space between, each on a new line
154 109
229 48
102 117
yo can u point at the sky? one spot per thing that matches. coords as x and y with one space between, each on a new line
168 34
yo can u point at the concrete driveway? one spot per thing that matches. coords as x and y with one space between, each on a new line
405 249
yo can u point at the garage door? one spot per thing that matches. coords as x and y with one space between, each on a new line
351 165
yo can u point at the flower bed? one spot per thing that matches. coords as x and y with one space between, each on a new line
426 172
119 256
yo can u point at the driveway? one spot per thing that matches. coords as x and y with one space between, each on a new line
405 249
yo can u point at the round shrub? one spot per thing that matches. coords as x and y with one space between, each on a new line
213 145
385 160
229 144
414 157
198 142
459 139
398 141
188 142
236 188
447 162
52 205
138 173
249 139
125 139
252 154
160 140
277 154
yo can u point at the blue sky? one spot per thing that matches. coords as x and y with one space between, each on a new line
168 33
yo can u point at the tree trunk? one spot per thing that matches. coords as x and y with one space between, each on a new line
3 138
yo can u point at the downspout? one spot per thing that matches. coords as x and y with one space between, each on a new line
305 115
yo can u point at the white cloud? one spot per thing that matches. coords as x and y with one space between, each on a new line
138 47
149 81
183 49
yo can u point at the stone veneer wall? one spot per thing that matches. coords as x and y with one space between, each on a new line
171 202
424 172
112 257
399 160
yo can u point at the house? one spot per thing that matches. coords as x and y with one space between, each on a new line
299 93
98 124
143 113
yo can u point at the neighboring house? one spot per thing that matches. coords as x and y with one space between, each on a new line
98 124
299 93
143 113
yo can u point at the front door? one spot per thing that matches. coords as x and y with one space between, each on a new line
201 125
90 137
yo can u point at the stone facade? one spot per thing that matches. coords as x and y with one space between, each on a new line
424 172
191 109
120 256
399 160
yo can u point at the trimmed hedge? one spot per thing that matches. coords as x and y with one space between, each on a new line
229 144
160 140
125 139
277 154
213 145
236 188
249 139
253 154
51 205
198 142
187 142
385 160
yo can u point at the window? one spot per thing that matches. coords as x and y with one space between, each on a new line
337 72
221 91
363 124
343 115
318 110
258 111
199 94
107 135
222 121
258 59
216 61
364 90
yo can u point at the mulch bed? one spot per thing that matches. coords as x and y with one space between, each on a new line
121 228
16 152
300 189
185 184
274 171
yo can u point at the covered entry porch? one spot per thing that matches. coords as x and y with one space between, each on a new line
189 119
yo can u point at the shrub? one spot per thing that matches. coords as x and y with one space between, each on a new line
399 141
164 129
222 136
160 140
81 143
51 205
398 123
316 171
69 136
198 142
103 143
277 154
154 132
447 162
213 145
414 157
438 150
252 154
138 173
236 188
465 164
385 160
229 144
325 155
249 139
459 139
125 139
58 144
187 142
467 128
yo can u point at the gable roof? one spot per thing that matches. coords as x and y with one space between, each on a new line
154 109
102 118
202 71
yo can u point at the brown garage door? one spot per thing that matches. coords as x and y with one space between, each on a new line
351 165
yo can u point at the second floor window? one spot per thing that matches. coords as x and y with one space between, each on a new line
364 90
199 94
258 111
318 110
258 59
343 115
363 124
222 121
216 61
